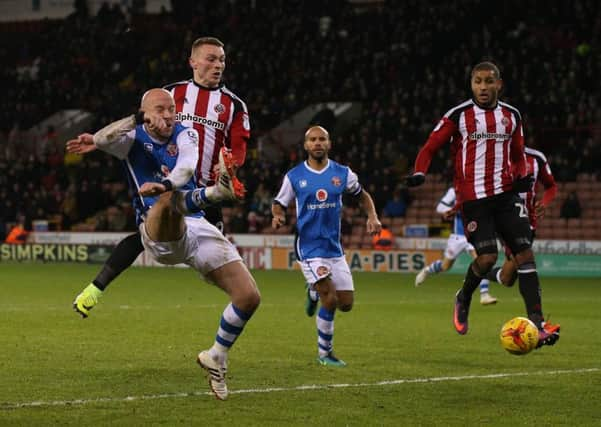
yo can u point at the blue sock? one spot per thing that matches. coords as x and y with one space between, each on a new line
484 286
230 327
325 331
435 267
196 200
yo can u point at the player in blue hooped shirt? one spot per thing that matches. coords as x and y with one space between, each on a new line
160 157
317 186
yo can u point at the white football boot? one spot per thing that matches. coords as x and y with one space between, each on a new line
215 373
487 299
421 276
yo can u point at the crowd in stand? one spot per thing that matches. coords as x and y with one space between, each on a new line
405 62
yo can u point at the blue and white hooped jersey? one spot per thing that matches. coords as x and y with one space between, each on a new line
446 203
318 196
148 160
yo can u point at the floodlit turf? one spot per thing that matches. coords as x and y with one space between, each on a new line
132 361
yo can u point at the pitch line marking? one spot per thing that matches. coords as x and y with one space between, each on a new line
40 403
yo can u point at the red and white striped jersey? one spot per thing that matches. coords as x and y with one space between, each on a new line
537 165
487 145
219 116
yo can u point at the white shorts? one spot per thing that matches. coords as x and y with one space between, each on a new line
316 269
202 247
455 245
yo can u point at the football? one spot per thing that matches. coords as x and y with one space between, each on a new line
519 336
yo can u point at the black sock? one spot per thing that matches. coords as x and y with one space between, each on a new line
492 274
121 258
530 290
470 283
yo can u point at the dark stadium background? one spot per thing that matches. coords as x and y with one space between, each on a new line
404 63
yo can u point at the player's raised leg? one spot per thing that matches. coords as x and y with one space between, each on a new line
227 187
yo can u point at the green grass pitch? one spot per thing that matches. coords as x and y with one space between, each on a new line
132 362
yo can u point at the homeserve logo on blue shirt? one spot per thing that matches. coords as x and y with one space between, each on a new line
321 195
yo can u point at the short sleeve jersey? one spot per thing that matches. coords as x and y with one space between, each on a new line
318 196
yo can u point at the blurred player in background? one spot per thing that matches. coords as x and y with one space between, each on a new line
161 156
317 185
456 245
220 118
538 166
487 145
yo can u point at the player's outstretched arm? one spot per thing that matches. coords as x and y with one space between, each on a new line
113 138
116 130
83 144
440 136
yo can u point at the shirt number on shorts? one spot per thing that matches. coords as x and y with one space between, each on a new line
522 210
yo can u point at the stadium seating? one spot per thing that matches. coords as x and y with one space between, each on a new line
403 88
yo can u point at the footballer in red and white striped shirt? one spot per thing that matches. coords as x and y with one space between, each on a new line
204 103
487 143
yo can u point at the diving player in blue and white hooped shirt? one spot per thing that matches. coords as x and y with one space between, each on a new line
317 186
161 156
456 244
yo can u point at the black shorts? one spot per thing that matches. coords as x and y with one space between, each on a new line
214 216
503 215
508 253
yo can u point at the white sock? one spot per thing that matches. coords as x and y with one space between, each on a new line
218 352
